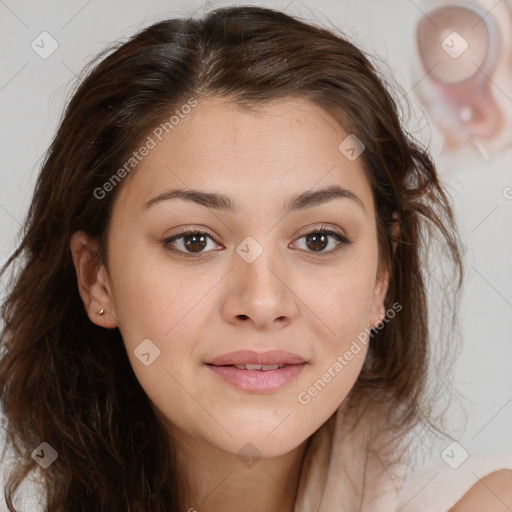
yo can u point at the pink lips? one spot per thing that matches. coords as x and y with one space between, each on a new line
258 381
251 357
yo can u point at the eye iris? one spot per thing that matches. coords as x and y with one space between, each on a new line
318 240
190 240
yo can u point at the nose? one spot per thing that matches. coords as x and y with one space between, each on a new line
262 293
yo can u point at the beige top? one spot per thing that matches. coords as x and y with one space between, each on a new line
328 484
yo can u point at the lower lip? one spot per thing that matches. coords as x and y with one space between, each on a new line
258 381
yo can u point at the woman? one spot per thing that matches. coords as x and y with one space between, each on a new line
222 303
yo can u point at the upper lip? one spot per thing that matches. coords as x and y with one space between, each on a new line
251 357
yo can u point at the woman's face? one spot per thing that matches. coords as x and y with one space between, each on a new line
251 279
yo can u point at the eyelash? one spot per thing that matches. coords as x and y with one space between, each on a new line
342 241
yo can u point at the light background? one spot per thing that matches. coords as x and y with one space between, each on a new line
33 92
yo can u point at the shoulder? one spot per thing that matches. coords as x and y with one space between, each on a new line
462 486
492 493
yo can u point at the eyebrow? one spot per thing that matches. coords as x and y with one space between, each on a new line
221 202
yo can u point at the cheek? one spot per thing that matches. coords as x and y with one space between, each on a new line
343 304
340 355
344 300
152 298
169 308
346 304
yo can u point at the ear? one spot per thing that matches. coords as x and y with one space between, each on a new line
378 313
93 283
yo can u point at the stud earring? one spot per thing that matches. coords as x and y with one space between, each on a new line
101 311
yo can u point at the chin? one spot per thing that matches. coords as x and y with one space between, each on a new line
255 447
264 438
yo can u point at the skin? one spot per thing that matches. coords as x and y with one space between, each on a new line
195 309
493 493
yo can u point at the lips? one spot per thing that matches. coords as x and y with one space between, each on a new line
249 357
255 372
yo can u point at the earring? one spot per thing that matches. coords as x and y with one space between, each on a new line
101 311
379 322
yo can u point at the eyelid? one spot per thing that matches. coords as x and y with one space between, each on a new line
322 228
193 229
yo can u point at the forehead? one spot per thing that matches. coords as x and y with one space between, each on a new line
283 148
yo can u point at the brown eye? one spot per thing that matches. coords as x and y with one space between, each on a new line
189 243
317 241
195 243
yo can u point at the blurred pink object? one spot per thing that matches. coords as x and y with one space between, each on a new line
459 49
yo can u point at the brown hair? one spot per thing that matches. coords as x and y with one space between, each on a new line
65 380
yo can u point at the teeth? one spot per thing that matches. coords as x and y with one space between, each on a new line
269 366
253 366
264 367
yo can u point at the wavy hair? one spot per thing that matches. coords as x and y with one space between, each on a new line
67 381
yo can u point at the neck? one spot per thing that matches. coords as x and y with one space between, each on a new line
218 480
